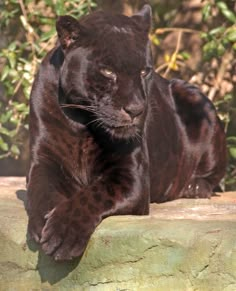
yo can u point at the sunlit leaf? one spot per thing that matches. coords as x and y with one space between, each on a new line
229 15
185 55
220 49
5 73
155 40
231 139
12 59
217 30
231 36
12 46
60 7
232 152
222 5
3 145
4 131
15 150
206 11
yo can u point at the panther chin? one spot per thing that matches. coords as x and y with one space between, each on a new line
124 132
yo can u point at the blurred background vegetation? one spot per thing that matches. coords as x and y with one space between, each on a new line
193 40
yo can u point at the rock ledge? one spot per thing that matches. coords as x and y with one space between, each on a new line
181 245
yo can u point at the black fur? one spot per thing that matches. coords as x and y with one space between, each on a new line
109 135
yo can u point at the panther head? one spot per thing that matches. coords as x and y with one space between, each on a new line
106 68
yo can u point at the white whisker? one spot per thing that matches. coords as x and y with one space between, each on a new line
84 107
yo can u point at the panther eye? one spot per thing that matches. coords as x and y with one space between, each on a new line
145 72
108 74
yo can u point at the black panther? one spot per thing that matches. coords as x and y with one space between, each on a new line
108 135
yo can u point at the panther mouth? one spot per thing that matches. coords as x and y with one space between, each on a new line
125 126
123 131
111 126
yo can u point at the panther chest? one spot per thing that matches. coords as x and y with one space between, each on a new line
82 160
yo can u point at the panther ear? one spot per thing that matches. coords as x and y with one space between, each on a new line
145 16
68 30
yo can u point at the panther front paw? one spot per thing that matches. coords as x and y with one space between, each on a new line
66 232
35 226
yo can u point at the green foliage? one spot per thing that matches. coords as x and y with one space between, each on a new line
222 37
220 44
32 24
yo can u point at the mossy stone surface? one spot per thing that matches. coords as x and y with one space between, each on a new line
181 245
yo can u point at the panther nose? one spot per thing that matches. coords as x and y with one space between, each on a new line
134 110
